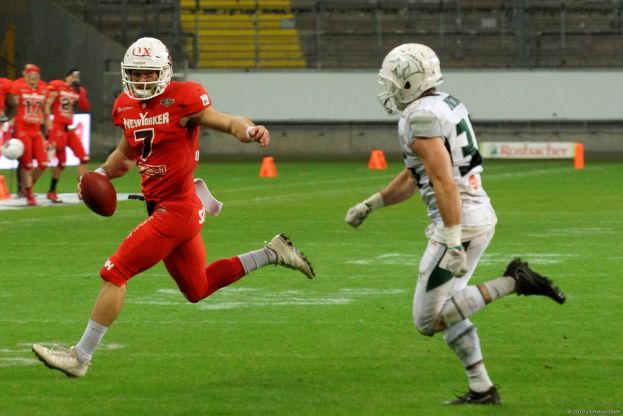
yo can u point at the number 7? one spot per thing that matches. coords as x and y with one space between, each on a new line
147 137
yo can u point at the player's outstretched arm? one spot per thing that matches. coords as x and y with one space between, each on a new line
401 188
242 128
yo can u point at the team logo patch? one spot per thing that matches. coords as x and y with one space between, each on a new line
421 123
167 102
152 170
205 99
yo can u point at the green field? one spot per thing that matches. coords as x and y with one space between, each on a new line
275 343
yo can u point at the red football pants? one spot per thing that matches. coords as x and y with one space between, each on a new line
172 234
63 138
33 149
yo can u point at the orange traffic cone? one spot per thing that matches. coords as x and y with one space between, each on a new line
268 169
4 189
377 160
578 158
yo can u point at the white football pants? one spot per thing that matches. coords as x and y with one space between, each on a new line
435 286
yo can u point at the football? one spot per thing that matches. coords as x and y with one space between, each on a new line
98 193
13 149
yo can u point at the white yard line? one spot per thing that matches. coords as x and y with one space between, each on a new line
42 201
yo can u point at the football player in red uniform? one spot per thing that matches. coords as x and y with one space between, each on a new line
160 119
30 93
8 108
8 105
64 96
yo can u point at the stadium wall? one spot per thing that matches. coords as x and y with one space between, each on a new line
324 114
56 40
330 114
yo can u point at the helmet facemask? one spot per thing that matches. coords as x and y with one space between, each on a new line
388 96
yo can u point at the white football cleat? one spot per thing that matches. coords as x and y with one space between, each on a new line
61 358
289 256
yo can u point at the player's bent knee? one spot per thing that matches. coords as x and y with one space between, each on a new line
112 275
424 325
193 297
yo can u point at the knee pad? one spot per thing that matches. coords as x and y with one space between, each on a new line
462 305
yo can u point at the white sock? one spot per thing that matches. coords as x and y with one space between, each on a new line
499 287
255 259
91 338
478 378
464 341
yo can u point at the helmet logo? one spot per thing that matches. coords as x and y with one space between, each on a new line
404 69
141 51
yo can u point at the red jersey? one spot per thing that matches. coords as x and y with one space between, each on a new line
5 88
167 152
65 102
31 103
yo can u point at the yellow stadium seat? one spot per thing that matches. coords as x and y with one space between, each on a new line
242 33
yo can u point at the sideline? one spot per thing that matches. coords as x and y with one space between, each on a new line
16 202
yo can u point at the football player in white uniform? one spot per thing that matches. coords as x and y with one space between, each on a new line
442 161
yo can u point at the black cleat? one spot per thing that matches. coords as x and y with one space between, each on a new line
490 396
529 282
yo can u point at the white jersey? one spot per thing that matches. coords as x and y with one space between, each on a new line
441 115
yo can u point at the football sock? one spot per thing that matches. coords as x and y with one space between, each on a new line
223 272
463 339
255 259
91 338
53 183
499 287
462 305
478 378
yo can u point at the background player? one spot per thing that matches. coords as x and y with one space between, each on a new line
160 119
30 94
443 162
8 108
63 99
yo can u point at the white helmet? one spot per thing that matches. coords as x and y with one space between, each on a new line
408 70
146 53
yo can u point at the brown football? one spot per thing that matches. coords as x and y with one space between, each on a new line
98 193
